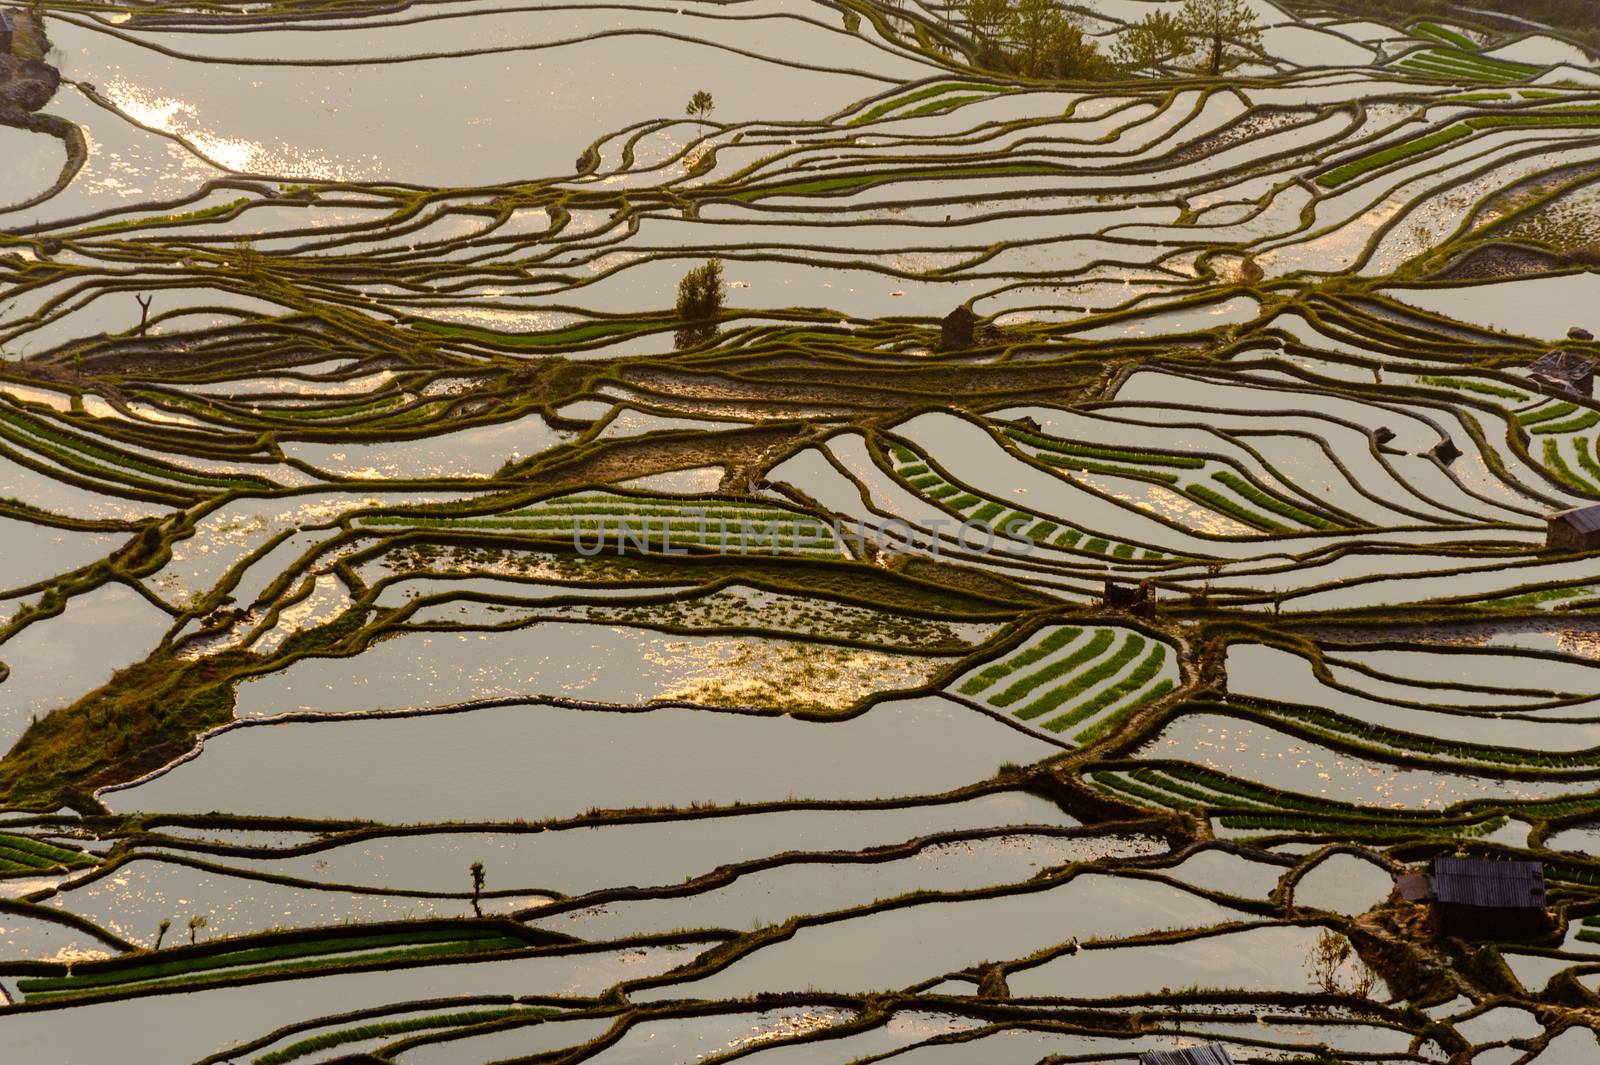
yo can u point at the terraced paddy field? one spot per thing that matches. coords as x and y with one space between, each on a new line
796 531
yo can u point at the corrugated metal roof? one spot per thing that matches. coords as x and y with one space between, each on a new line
1210 1054
1477 882
1568 364
1583 519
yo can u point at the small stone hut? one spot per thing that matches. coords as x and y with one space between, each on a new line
1206 1054
958 329
1477 898
1577 529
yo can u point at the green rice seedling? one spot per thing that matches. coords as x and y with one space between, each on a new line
1098 644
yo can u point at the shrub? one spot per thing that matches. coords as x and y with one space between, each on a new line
700 295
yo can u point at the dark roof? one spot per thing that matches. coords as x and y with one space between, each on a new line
1582 519
1413 887
1210 1054
1477 882
6 21
962 311
1564 364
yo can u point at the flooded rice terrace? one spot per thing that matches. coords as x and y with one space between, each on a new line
799 532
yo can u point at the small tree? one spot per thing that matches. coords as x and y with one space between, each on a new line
1328 956
1223 27
1072 53
699 303
1030 27
988 20
161 933
1151 43
197 922
476 869
700 107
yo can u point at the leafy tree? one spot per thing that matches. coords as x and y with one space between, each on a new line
1030 28
1072 53
1223 27
161 933
1152 42
197 922
700 106
1034 38
476 869
699 303
988 20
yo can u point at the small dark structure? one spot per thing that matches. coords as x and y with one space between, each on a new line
1382 435
8 31
958 329
1577 529
1445 451
1208 1054
1028 423
1578 332
1413 887
1475 898
1137 599
1564 371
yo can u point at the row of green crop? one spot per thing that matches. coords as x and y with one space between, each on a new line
75 452
1481 387
315 964
1582 121
32 854
1393 154
1442 34
1337 729
1439 138
1078 683
1477 63
1310 817
1112 694
1587 420
382 1029
1564 473
251 956
1067 462
1135 457
1107 724
1429 64
1226 505
1054 641
920 95
1096 646
929 484
1357 829
1544 414
1268 501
